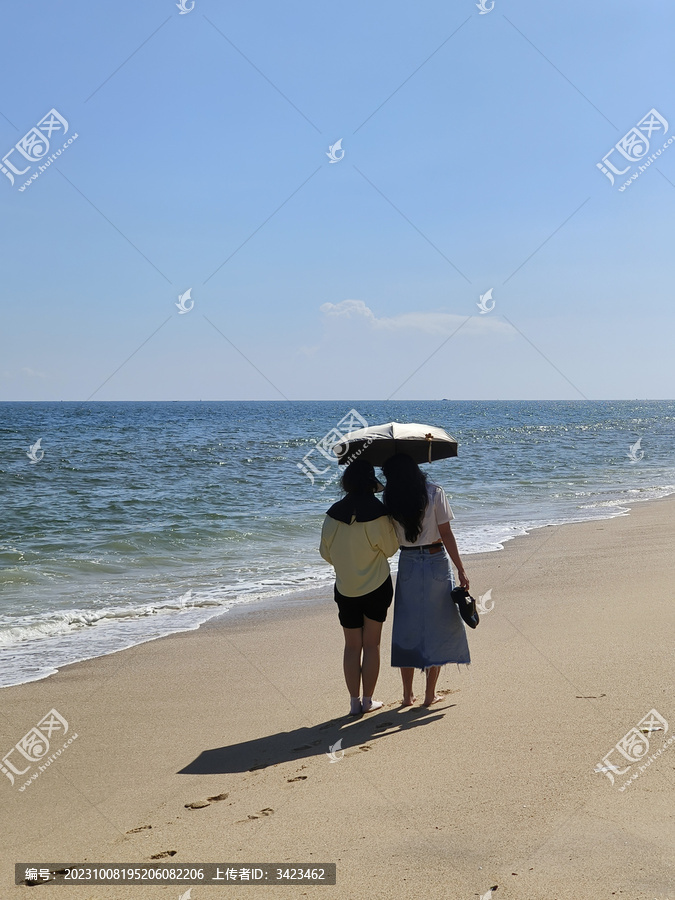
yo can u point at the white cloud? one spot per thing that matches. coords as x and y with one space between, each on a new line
309 350
436 323
348 309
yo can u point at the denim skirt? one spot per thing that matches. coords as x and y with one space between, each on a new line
428 629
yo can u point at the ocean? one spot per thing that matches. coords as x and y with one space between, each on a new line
134 520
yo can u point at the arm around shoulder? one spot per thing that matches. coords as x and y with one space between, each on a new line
389 540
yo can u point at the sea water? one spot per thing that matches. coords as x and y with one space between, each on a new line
134 520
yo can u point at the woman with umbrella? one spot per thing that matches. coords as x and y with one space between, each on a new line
428 631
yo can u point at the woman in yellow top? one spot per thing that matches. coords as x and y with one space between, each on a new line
356 539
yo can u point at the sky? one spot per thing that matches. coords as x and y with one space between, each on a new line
467 167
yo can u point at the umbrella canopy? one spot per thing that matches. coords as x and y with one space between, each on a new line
378 443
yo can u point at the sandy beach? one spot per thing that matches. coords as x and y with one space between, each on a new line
495 786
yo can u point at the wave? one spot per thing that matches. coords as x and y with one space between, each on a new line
29 628
633 495
491 537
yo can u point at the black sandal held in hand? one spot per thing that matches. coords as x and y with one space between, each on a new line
466 605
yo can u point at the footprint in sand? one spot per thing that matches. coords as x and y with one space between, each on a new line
263 812
200 804
164 854
140 828
298 778
351 751
382 726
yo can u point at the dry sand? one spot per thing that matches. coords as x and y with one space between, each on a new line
493 786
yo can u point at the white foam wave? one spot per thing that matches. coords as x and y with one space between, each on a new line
632 496
20 629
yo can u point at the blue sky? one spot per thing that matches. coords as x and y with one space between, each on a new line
470 149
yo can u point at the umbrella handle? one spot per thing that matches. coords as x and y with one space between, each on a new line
429 439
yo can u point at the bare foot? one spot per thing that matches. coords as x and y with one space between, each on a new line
435 699
408 701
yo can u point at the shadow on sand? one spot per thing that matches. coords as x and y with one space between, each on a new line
302 743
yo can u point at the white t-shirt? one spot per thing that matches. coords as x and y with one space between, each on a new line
437 513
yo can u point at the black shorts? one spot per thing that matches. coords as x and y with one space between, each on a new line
374 605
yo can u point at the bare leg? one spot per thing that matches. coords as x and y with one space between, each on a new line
351 664
407 678
370 667
430 695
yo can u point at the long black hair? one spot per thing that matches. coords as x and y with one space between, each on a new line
405 495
